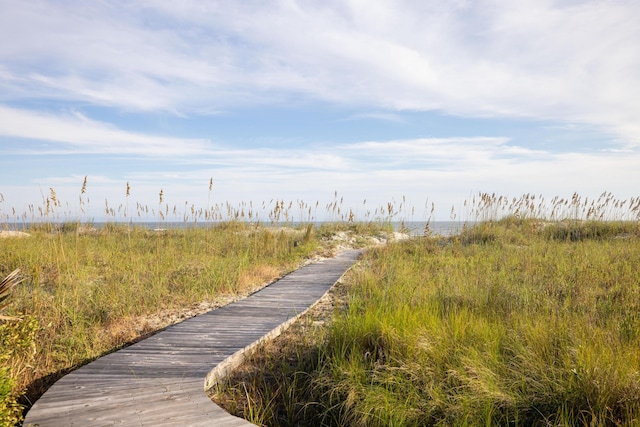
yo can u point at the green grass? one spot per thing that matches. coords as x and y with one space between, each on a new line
518 322
85 294
89 291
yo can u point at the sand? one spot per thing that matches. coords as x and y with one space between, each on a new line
8 233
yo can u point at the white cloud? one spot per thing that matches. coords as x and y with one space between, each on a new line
389 117
574 61
76 134
445 171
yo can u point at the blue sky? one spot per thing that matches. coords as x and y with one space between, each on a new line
426 101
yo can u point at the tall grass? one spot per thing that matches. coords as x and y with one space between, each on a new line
431 317
89 289
91 292
514 322
10 410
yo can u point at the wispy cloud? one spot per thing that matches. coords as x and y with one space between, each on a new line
73 70
389 117
574 61
74 133
445 171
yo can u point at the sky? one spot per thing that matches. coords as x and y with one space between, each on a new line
425 103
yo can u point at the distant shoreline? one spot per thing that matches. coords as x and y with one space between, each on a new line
414 228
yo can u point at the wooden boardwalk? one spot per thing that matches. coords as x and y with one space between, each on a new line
160 381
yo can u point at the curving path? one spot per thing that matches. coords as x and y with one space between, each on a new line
160 381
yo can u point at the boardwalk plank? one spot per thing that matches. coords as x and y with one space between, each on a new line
160 381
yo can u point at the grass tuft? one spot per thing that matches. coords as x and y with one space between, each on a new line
514 322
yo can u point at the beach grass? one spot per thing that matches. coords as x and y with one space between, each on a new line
421 321
85 294
513 322
88 289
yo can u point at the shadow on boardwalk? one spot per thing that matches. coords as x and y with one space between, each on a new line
160 381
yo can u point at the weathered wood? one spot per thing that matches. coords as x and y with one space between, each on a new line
159 381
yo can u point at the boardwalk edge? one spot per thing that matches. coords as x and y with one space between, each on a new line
225 368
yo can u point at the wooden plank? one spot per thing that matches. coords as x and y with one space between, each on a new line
160 381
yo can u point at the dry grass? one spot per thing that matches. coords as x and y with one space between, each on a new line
513 322
89 290
11 280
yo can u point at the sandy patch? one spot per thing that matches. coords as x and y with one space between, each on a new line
400 236
8 233
345 240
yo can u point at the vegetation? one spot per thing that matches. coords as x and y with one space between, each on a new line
10 410
88 289
86 294
518 321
